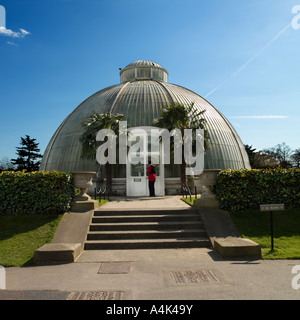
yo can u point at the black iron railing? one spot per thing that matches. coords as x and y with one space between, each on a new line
186 192
102 192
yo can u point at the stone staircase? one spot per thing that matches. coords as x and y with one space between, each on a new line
146 229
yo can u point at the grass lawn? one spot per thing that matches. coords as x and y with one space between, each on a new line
188 201
255 225
21 235
102 201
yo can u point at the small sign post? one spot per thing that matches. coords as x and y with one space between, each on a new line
271 208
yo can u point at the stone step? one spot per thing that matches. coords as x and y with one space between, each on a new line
146 229
130 212
162 225
147 243
149 234
146 218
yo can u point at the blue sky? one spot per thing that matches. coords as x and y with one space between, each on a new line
242 55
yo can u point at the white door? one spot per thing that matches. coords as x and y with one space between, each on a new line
137 165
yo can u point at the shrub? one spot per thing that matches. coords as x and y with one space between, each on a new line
41 192
238 190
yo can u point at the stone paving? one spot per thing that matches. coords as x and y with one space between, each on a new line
154 274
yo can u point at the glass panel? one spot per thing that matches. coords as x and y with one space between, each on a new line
154 158
172 170
156 144
136 142
128 75
119 171
137 170
159 75
143 73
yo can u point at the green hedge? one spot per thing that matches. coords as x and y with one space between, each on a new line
238 190
44 192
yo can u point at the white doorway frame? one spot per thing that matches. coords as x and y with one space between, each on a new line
136 177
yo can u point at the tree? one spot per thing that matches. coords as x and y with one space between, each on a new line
263 160
27 155
6 165
251 153
296 158
91 127
282 152
179 116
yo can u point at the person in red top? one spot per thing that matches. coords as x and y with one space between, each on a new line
152 179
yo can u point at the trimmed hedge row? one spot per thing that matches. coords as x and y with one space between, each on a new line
238 190
41 192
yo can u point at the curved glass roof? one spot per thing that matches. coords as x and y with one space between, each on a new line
140 101
143 63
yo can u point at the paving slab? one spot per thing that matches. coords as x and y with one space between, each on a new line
160 274
145 203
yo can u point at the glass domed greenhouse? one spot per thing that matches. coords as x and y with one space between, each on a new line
143 91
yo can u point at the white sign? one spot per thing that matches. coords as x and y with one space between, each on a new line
271 207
